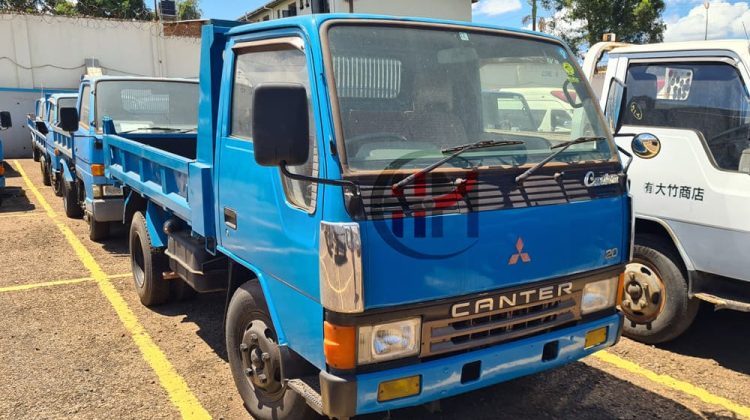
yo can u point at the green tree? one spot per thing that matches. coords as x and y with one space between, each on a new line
22 6
114 9
188 10
636 21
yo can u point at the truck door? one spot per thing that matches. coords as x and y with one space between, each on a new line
266 219
694 177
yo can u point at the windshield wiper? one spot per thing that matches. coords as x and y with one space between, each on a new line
561 148
166 129
454 152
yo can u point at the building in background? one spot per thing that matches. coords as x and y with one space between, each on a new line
439 9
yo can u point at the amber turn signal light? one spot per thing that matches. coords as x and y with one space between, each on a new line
97 170
339 346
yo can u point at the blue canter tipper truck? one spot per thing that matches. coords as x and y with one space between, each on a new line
386 235
143 107
43 135
37 125
5 123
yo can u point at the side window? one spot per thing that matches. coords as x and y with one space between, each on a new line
84 112
710 98
284 64
52 113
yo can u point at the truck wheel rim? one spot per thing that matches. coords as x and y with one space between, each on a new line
645 294
138 262
260 357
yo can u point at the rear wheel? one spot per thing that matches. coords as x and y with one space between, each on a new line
57 184
655 299
255 359
34 151
70 200
148 264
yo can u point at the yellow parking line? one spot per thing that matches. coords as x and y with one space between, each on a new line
177 389
24 214
45 284
23 287
674 384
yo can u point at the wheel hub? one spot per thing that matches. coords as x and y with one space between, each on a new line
261 357
644 297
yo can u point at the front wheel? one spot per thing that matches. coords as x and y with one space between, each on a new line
70 200
148 264
255 359
45 172
655 299
98 230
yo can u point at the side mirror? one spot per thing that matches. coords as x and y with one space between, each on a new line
281 127
68 119
5 122
613 106
41 127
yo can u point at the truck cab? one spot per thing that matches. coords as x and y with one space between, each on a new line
683 111
380 244
141 107
5 123
48 157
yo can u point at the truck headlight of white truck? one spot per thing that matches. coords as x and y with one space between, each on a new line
599 295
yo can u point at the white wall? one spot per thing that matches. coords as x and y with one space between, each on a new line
438 9
49 53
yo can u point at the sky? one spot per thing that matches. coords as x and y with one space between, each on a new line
685 19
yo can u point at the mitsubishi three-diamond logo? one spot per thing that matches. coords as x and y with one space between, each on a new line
523 256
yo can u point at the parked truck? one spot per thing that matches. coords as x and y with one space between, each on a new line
37 127
5 123
684 111
48 157
143 108
379 245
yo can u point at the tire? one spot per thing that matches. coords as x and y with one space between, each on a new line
180 291
57 185
98 230
247 311
148 264
70 200
45 172
34 151
678 311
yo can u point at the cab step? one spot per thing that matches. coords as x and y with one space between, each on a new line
309 388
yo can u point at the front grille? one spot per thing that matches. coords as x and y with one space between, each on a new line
480 330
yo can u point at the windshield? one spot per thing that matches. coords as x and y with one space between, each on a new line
405 93
143 105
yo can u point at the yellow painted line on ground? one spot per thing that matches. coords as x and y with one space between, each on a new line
673 383
177 389
22 287
25 214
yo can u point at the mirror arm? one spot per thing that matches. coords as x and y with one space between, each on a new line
630 158
355 204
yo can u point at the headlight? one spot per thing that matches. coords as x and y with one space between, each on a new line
106 191
599 295
389 341
340 257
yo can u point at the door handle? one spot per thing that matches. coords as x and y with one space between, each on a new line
230 218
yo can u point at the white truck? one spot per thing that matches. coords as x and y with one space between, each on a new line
683 111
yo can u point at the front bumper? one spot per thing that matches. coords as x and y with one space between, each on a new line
106 209
441 378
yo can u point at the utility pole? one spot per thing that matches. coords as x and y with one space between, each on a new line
156 11
706 4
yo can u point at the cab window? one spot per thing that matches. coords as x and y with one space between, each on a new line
710 98
84 112
281 64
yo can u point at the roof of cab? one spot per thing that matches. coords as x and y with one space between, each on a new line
63 95
316 20
726 44
95 79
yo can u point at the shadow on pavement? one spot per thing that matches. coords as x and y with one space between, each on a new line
721 336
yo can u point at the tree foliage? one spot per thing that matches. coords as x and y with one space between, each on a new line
636 21
114 9
188 10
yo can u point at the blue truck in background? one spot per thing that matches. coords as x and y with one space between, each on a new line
42 128
144 107
380 242
5 123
